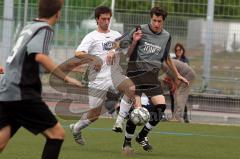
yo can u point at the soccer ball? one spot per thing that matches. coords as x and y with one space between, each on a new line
140 116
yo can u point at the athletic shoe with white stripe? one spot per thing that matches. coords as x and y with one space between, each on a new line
144 143
77 136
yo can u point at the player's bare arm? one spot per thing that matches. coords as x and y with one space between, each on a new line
50 66
84 55
136 37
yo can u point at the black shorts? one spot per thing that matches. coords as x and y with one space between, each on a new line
146 82
34 115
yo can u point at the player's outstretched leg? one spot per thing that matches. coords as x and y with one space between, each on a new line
125 105
84 122
156 115
144 143
127 145
77 135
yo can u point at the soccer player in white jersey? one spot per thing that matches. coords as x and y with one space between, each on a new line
105 71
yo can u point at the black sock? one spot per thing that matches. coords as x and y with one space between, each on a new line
52 148
144 132
158 110
130 129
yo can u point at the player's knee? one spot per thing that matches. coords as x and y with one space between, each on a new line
157 113
132 88
161 107
93 115
94 118
57 132
130 91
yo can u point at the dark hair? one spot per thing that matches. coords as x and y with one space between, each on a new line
182 48
102 10
158 12
48 8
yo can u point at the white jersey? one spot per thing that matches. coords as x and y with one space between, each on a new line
99 44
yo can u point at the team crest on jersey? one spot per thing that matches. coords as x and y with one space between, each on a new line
108 45
151 48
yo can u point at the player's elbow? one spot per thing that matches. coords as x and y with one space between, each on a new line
79 54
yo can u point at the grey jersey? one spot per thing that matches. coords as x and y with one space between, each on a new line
21 79
151 50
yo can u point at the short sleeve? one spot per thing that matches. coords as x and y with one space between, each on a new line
41 42
166 51
128 36
85 44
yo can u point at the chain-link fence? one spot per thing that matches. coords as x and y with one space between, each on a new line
186 22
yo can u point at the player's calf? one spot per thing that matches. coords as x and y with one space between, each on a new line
52 148
54 140
4 137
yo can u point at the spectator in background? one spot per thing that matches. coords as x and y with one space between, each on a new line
179 51
1 69
180 55
180 92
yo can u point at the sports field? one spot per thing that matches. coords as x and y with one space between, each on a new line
170 141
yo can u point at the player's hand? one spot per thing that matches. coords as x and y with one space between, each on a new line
73 81
111 57
97 67
182 79
137 35
97 64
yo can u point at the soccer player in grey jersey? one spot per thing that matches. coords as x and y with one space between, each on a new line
20 87
149 47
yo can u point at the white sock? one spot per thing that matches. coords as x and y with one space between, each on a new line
149 126
81 124
124 109
129 136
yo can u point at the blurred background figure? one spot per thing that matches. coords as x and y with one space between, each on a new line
179 51
1 70
179 90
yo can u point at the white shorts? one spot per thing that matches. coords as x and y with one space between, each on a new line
98 89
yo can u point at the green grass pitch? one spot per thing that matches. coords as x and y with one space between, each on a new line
170 141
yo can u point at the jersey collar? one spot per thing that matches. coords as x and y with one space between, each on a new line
149 26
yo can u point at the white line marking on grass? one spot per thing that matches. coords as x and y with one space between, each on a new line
167 133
